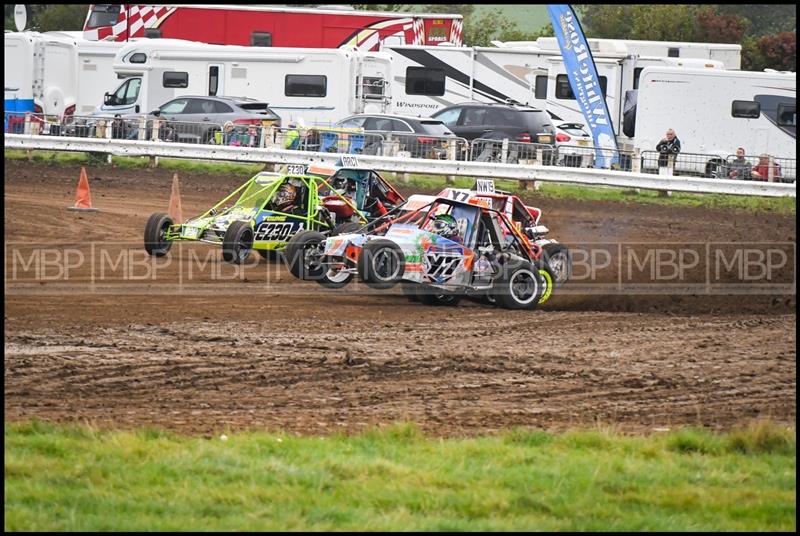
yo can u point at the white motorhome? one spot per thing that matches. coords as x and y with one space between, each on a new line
95 69
43 68
18 73
715 111
60 72
730 55
427 78
317 85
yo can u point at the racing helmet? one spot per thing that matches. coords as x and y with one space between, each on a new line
286 195
444 225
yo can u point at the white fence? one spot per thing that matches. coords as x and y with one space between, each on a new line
518 172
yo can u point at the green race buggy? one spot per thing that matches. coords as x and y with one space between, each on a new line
257 215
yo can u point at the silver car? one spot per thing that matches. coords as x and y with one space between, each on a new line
198 119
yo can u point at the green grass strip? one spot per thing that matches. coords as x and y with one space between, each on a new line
549 190
778 205
82 479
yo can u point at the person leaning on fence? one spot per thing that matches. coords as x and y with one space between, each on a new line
739 168
119 127
312 140
670 145
292 139
229 134
761 170
252 136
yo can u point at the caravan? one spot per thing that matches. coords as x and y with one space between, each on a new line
18 77
317 85
715 111
426 79
728 54
56 73
41 70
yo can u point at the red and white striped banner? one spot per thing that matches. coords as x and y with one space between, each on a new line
136 19
456 31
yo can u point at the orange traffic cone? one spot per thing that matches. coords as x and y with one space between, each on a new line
175 201
83 199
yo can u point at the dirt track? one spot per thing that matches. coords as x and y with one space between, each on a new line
223 349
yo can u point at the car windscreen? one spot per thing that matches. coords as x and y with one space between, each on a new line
435 128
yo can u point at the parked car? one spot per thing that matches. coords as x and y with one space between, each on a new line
193 119
574 144
422 137
484 121
241 111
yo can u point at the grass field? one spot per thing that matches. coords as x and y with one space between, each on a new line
785 205
394 478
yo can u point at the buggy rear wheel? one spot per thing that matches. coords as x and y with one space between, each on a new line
559 262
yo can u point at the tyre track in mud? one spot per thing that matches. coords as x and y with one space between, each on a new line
286 355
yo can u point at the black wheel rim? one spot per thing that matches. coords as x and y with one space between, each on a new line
523 286
163 243
311 256
560 267
385 264
244 244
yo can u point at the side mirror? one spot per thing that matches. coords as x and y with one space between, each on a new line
109 99
156 112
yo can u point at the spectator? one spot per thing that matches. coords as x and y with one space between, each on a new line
252 135
670 145
229 134
292 139
312 140
120 126
761 170
739 169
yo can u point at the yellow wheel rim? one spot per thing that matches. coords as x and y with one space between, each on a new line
548 281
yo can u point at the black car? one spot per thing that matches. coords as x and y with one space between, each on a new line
423 137
485 121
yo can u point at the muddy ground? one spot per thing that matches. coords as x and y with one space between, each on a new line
95 332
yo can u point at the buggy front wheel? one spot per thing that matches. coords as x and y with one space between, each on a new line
238 242
155 235
381 264
519 286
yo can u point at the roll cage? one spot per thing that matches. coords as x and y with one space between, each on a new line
258 192
491 228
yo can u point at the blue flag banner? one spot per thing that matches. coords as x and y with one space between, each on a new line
585 83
